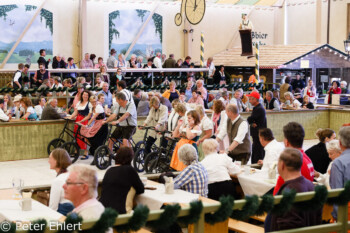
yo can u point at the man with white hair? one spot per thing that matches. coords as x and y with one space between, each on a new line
236 100
157 61
108 95
270 102
219 168
340 171
344 87
58 62
81 189
86 63
50 111
194 178
201 89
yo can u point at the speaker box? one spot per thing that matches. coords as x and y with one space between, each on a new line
246 41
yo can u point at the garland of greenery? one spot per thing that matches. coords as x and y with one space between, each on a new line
266 205
316 202
249 209
167 218
71 220
106 221
196 208
138 220
40 222
286 203
223 212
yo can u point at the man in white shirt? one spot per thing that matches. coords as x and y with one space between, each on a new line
272 148
3 116
158 61
238 133
236 100
81 189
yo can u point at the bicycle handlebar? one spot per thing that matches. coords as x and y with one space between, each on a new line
145 127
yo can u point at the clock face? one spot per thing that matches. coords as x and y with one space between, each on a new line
195 10
178 19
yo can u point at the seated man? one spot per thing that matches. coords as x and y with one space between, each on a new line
289 168
126 119
271 146
50 111
270 102
194 178
81 189
3 116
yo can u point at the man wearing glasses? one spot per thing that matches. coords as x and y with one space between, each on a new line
81 189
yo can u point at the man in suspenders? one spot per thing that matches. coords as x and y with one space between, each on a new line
17 77
125 117
121 85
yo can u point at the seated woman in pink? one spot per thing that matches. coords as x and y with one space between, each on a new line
196 98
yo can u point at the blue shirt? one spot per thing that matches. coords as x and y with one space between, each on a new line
73 75
108 98
188 94
193 179
340 173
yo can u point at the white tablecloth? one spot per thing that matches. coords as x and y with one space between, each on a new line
10 210
154 199
257 183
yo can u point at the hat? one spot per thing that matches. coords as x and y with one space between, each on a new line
256 95
17 98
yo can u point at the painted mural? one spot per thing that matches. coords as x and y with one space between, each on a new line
13 20
124 26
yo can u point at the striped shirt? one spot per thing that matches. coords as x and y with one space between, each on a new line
193 179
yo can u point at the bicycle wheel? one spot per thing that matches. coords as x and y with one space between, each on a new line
139 160
102 157
55 143
151 161
73 150
139 145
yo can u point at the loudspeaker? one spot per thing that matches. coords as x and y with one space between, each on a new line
246 41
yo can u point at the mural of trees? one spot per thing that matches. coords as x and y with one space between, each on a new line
112 30
141 13
6 8
47 15
158 22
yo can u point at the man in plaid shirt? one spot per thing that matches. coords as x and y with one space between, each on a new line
194 178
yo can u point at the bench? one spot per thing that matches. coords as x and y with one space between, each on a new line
259 218
243 227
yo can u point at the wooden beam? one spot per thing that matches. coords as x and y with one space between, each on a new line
141 31
318 22
22 34
348 26
83 29
236 33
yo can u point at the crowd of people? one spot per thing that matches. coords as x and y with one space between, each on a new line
206 148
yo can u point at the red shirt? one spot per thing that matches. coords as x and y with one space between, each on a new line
307 170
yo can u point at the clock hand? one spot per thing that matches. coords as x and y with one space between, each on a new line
195 5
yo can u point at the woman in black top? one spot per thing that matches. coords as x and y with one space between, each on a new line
318 153
306 103
118 181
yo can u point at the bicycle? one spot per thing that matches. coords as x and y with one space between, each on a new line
103 156
159 161
58 142
138 161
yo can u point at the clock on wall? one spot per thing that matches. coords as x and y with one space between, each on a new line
194 11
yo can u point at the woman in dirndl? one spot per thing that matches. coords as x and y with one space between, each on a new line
82 112
95 132
207 128
190 133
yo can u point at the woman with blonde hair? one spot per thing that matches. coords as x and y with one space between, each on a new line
290 102
318 153
206 126
172 93
8 105
189 133
59 161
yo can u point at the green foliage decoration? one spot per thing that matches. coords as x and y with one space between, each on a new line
167 218
196 208
158 23
138 220
266 205
249 209
106 221
286 203
72 220
141 13
224 211
112 30
5 9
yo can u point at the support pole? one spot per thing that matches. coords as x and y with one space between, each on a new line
22 34
202 52
257 61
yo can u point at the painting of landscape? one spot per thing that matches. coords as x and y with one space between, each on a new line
13 20
124 26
